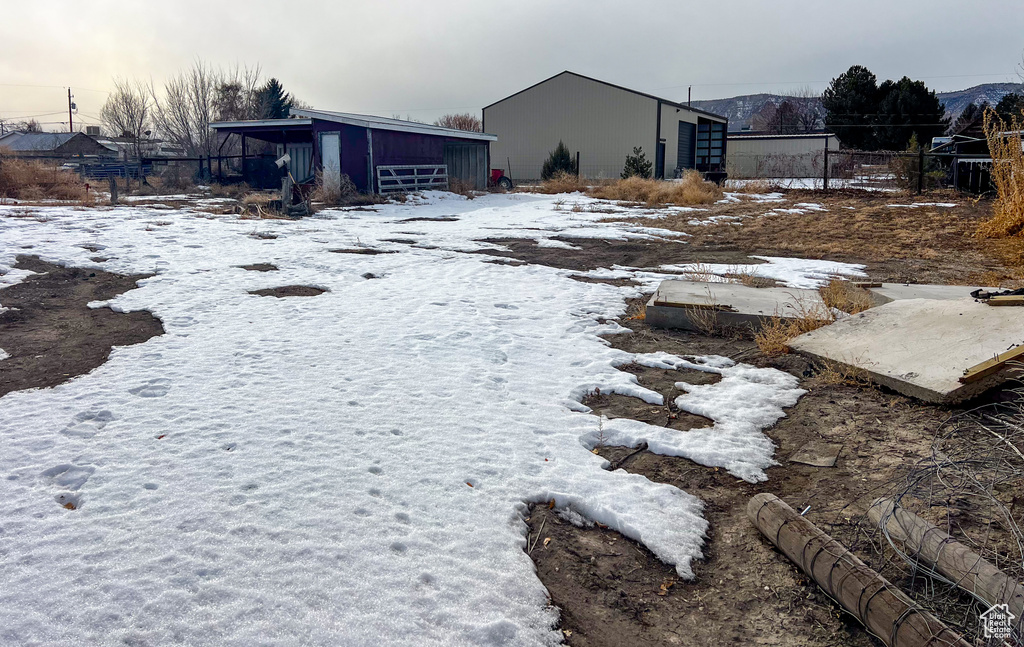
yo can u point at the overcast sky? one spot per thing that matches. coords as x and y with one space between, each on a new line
426 58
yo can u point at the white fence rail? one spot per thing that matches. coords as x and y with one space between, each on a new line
416 177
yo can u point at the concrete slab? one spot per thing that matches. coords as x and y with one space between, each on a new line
694 305
817 453
889 292
921 347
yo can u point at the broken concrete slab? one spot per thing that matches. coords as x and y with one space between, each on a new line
817 453
883 293
921 347
698 305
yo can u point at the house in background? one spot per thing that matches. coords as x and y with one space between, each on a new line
762 155
603 122
55 146
371 151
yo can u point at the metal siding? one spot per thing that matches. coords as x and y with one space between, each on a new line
467 162
603 123
686 132
777 156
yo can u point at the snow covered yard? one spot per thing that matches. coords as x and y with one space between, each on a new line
349 468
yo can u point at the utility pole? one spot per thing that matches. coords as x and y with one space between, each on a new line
71 121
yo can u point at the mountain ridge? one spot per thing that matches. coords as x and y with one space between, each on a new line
741 109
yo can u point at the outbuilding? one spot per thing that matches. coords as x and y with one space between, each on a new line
54 145
764 155
376 153
602 123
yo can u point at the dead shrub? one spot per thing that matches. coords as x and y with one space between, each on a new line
562 182
690 190
773 338
24 179
1005 146
462 187
334 192
776 332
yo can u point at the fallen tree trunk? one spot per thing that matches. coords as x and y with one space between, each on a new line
882 608
954 561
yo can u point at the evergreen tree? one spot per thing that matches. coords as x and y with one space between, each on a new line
1011 106
970 114
637 164
850 102
906 108
272 101
558 161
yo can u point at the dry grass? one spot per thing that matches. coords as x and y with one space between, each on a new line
637 310
562 182
31 180
838 295
236 191
835 373
691 190
1008 177
845 296
761 185
462 187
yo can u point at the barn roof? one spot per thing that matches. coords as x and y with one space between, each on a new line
384 123
303 117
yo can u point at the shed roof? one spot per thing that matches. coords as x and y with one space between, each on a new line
384 123
674 104
20 142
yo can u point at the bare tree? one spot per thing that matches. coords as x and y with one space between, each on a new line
126 112
236 94
188 106
464 121
31 126
800 112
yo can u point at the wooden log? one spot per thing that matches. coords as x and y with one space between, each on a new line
954 561
883 609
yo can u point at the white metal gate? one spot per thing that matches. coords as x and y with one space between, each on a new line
415 177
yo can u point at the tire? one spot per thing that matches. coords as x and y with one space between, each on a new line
505 183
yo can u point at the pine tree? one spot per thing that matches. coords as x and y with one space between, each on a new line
272 101
851 102
1011 106
558 161
907 108
637 164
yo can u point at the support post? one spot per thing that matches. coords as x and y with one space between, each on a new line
920 171
577 165
824 178
883 609
244 179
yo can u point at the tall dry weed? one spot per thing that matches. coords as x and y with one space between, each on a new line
1007 151
562 182
24 179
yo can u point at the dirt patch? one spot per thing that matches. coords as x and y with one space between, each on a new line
401 241
594 253
926 244
745 592
49 332
368 251
260 267
587 279
437 219
289 291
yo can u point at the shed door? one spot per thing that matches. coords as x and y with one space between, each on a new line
685 153
330 157
467 162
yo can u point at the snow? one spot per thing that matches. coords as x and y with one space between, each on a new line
791 272
746 401
350 468
3 354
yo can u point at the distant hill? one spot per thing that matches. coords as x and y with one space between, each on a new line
740 110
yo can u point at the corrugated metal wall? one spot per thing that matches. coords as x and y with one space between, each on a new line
602 122
778 156
467 162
